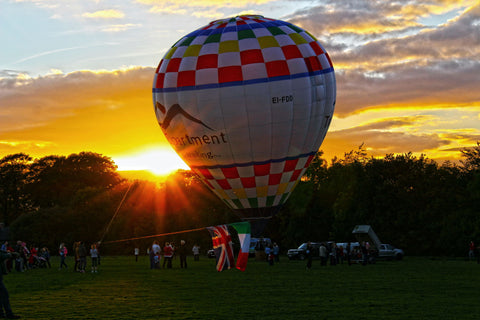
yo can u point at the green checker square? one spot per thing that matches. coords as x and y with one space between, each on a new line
213 38
237 203
193 50
245 34
268 42
170 53
187 41
295 28
270 200
311 35
253 202
275 31
284 197
228 46
298 39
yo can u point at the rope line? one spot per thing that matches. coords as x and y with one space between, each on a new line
156 235
116 212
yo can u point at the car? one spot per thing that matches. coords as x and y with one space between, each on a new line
389 252
301 252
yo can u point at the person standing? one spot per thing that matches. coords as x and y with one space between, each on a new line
196 252
82 256
136 251
5 308
323 254
63 255
75 254
182 252
155 255
276 252
471 252
94 256
309 253
167 255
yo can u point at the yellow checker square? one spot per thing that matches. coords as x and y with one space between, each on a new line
311 35
268 42
292 185
193 50
281 188
170 53
262 191
229 46
240 193
221 194
298 39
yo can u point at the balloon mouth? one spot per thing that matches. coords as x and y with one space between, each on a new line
258 218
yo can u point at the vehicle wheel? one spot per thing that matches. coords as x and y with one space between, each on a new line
301 257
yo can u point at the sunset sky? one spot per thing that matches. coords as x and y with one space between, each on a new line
77 75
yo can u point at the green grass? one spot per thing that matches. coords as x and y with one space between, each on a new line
415 288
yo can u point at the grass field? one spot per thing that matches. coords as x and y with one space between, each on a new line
415 288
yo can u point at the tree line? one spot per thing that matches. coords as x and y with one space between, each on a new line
412 202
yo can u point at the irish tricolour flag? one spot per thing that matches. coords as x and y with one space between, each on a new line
243 230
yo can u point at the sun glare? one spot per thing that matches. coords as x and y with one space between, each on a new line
160 162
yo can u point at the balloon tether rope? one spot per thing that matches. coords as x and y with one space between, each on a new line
115 214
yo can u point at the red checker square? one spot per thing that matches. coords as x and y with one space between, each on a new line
313 64
208 184
240 22
330 61
223 183
174 64
230 173
248 182
290 165
158 68
277 68
274 179
251 56
220 26
205 173
296 174
207 61
230 74
261 169
291 52
186 78
309 160
316 47
160 80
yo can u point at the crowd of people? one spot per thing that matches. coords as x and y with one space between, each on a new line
167 253
81 252
337 254
27 257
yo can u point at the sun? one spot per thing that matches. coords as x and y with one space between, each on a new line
158 161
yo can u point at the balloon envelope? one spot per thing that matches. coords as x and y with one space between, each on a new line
246 102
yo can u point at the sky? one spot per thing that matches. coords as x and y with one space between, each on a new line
77 75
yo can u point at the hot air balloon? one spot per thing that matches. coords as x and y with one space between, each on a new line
246 102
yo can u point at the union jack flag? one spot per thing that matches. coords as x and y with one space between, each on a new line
222 245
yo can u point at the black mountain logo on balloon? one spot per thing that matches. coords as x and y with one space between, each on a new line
176 110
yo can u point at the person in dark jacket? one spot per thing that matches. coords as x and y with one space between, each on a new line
182 252
309 253
6 309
